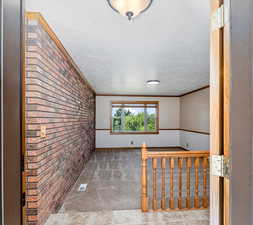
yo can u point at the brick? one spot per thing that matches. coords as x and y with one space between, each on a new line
56 97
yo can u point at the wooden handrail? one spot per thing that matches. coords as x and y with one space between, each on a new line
179 193
175 154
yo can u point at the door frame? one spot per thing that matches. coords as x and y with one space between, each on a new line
216 111
11 110
231 133
1 139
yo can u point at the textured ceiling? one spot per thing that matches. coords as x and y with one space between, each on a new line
169 42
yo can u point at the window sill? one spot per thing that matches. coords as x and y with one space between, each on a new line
135 133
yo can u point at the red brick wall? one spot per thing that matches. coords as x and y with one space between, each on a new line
58 98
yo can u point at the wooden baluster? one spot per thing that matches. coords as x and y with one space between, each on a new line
163 199
180 166
205 164
196 196
144 179
172 166
154 165
188 183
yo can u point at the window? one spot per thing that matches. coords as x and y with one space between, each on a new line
134 117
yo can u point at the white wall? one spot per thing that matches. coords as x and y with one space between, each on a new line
189 112
195 116
169 112
195 110
163 139
194 141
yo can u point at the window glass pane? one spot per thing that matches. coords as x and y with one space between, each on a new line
116 119
151 105
134 118
151 119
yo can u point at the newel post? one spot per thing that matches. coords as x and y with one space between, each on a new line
144 179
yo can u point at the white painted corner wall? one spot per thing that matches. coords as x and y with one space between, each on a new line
169 113
195 115
174 113
164 139
194 141
195 111
169 110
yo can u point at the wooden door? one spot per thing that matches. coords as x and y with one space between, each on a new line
219 109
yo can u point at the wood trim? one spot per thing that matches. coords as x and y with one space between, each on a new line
107 129
216 116
153 96
175 210
226 114
144 96
177 154
136 102
172 157
95 123
53 36
139 148
191 92
194 131
161 129
23 106
169 129
185 149
158 117
134 133
129 106
111 119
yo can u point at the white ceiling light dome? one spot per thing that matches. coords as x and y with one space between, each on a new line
153 83
130 8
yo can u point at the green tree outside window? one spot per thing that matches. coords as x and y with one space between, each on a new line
139 119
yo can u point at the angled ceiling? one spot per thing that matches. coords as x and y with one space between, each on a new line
169 42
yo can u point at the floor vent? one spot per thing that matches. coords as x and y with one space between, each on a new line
82 187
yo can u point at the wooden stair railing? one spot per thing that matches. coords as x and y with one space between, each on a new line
187 175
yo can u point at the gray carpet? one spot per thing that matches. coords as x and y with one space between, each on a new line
113 178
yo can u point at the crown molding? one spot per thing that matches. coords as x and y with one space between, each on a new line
191 92
153 96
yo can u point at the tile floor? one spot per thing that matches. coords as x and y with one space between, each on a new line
131 217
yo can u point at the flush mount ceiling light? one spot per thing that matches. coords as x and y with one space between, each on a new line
130 8
153 82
